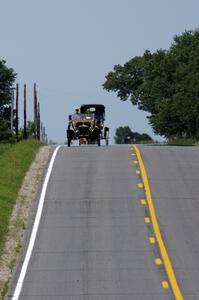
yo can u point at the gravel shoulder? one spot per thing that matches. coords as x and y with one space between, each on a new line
20 217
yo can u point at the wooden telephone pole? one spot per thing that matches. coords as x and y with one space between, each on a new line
25 124
17 112
35 109
38 122
12 111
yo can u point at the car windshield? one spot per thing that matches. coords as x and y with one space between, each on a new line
83 117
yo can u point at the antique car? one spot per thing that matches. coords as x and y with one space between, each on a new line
87 125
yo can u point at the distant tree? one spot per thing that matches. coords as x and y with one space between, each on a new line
30 131
6 135
165 84
124 135
7 78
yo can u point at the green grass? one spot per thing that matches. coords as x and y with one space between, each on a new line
4 289
145 142
181 142
3 148
14 163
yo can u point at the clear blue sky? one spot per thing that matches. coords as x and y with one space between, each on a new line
68 46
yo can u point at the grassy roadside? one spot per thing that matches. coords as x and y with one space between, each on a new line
14 163
181 142
3 148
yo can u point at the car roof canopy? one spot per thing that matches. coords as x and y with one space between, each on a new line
98 108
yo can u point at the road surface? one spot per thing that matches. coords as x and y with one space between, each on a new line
174 179
93 243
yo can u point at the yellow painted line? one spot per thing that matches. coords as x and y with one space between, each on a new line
167 263
143 202
138 172
152 240
140 185
147 220
165 285
158 261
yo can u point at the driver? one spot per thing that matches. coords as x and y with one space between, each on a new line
77 109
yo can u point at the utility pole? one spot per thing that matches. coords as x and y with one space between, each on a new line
17 112
35 109
38 122
46 139
12 111
25 127
44 134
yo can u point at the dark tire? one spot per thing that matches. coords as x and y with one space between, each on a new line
98 140
106 135
69 142
80 142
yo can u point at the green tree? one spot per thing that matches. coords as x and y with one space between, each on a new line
124 135
7 78
6 134
30 131
165 84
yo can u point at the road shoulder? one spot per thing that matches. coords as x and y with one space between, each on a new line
21 214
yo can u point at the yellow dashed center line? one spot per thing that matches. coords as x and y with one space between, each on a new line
158 261
140 185
143 202
165 285
147 220
166 260
152 240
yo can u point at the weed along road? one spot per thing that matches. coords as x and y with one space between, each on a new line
103 236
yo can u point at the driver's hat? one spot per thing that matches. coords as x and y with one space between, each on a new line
77 109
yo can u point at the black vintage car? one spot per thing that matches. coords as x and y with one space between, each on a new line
87 125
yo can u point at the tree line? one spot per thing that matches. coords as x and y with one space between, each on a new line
7 79
124 135
9 103
165 84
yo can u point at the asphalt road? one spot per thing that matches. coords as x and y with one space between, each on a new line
174 179
93 243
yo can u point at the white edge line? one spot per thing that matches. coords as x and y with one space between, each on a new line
20 281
